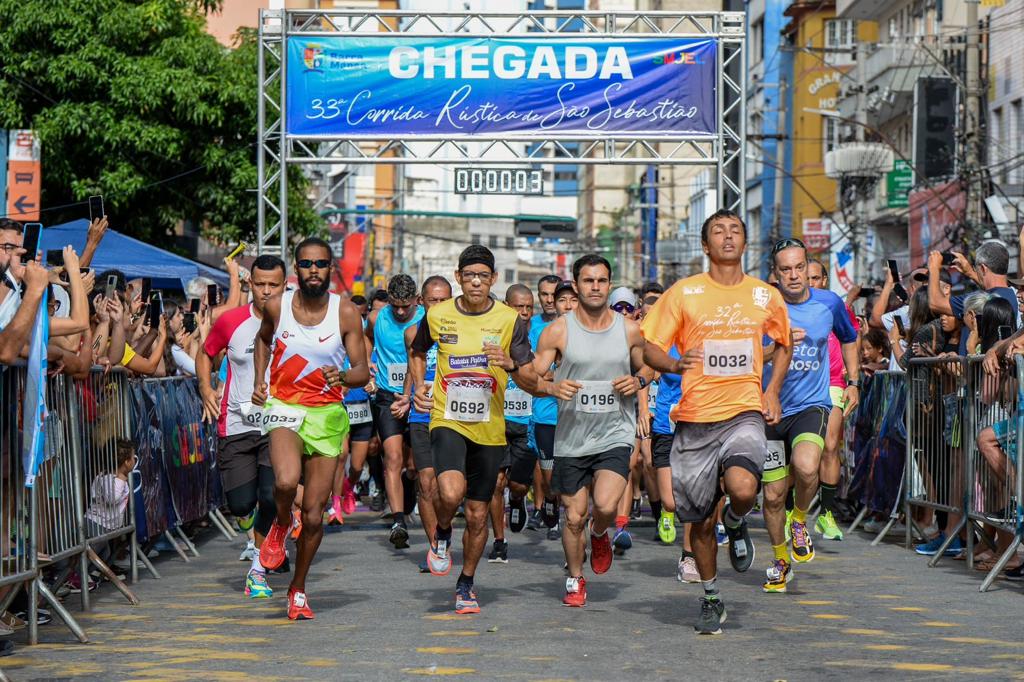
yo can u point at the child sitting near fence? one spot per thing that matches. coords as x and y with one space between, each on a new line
109 495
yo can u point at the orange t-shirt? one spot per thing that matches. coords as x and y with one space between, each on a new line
728 323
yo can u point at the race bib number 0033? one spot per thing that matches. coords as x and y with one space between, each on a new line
775 457
279 416
468 403
728 358
359 413
597 397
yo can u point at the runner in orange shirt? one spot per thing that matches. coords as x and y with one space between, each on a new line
718 320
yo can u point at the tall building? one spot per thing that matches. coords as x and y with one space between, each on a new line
1006 118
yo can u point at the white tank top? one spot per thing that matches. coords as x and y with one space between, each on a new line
299 352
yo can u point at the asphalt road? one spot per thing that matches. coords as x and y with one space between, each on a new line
856 612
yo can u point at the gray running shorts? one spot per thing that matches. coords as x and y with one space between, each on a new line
702 452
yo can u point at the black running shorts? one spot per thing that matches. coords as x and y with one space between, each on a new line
479 464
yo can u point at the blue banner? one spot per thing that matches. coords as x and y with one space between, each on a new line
34 415
355 85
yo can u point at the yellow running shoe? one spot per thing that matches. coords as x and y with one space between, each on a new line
803 548
667 527
777 576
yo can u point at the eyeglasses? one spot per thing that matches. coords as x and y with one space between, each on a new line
480 276
307 263
787 243
624 308
8 247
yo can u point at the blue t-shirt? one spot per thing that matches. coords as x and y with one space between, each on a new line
354 395
522 403
807 382
670 392
545 410
957 304
415 416
389 346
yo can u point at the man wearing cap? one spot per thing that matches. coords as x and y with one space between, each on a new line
566 298
991 263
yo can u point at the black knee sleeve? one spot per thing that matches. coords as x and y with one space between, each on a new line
241 500
267 508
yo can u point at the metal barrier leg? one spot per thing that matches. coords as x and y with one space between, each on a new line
998 568
177 548
140 555
40 588
222 525
860 517
934 561
188 543
114 580
83 577
885 531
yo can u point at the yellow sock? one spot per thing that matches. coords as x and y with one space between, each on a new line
781 551
799 515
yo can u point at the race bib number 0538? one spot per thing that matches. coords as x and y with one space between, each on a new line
728 358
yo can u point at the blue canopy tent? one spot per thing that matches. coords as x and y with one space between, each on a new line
131 256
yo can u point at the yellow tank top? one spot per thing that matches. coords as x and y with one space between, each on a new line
469 393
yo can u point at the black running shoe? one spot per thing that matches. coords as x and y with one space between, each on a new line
399 536
741 548
635 512
712 615
555 532
499 553
517 515
549 512
535 521
1014 573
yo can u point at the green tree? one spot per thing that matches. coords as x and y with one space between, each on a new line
132 99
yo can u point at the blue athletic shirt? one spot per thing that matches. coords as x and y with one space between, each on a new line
670 391
389 345
415 416
354 395
545 410
516 397
807 382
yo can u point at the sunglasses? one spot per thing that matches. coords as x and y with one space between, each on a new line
651 300
788 243
623 308
307 263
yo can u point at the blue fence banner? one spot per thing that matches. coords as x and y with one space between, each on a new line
34 416
386 86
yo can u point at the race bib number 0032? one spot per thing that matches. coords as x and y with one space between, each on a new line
597 397
728 358
252 416
468 403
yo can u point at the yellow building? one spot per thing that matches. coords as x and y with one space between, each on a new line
823 52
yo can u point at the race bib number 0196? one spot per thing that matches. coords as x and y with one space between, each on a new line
468 404
728 358
359 413
396 373
775 457
518 403
282 417
597 397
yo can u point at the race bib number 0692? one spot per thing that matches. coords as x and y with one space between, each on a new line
728 358
468 403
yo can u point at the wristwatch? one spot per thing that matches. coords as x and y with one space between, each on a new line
643 382
853 383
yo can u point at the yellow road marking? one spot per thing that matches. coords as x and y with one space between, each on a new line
437 670
886 647
980 640
445 650
862 631
914 609
445 616
940 624
829 616
922 667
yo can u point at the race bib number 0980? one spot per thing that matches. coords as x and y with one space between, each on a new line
359 413
728 358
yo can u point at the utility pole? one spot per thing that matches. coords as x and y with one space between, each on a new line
780 159
859 232
973 122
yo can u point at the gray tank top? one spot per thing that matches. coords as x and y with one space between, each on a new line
599 418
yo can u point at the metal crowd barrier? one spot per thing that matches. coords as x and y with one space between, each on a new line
938 421
47 532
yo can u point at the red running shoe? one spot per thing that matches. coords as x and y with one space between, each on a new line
296 524
575 592
348 497
600 553
298 606
272 549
